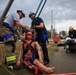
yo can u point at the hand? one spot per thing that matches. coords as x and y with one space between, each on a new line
41 61
25 26
18 63
31 66
21 37
28 28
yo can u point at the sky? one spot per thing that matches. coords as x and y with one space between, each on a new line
64 12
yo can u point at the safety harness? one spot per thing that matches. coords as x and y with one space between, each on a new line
29 61
37 71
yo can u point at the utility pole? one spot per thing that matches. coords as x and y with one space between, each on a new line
5 11
54 29
51 24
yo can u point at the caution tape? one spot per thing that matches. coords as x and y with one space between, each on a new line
74 73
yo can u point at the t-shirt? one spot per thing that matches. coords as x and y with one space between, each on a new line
11 18
37 22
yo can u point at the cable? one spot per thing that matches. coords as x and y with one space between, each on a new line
42 8
39 6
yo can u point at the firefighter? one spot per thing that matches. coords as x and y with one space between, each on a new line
7 31
41 33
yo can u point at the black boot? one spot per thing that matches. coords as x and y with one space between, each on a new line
46 62
14 67
17 67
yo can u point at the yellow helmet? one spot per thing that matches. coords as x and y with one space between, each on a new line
70 28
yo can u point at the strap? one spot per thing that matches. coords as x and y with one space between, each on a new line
7 36
8 26
27 44
44 36
31 42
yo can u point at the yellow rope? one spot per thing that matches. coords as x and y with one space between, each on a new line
7 69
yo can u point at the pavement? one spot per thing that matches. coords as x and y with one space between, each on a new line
65 63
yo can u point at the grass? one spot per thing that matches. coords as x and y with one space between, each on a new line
52 48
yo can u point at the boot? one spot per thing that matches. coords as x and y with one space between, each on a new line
14 67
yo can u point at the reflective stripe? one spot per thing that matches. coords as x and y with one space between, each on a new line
7 36
10 67
11 58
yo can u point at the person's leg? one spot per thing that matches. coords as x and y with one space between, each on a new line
1 55
10 56
42 42
14 47
13 50
44 68
29 64
45 52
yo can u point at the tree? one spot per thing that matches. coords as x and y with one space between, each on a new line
63 33
49 33
54 32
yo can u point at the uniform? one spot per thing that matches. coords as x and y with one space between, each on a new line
7 33
41 37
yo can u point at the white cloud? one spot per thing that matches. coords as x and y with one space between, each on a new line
64 11
63 25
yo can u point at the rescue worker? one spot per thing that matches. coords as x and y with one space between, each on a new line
70 40
41 33
7 31
72 32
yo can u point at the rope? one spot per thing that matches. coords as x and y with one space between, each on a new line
7 69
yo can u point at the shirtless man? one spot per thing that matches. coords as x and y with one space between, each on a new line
28 54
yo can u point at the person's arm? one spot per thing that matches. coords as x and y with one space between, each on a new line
19 35
17 32
39 51
17 23
40 22
40 26
19 56
70 34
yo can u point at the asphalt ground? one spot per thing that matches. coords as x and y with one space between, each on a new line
64 62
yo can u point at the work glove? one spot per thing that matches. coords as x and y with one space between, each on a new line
21 37
28 28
